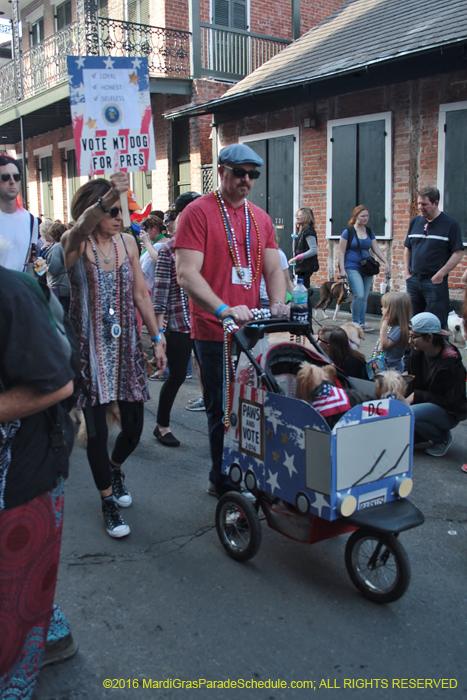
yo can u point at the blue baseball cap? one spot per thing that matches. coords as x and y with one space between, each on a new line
427 322
237 154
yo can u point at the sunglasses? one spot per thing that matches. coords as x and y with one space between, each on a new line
115 211
6 176
321 340
241 172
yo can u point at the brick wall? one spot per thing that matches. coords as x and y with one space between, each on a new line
312 13
415 109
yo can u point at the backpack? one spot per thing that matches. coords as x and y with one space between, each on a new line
64 331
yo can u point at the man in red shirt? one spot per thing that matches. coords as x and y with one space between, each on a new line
224 244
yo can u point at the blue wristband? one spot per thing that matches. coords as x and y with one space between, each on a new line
219 310
161 330
157 338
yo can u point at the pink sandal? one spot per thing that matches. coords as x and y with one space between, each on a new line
464 468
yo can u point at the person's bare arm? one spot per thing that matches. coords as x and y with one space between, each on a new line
288 281
273 276
188 264
407 260
381 256
25 400
74 241
140 291
146 239
454 260
341 255
385 343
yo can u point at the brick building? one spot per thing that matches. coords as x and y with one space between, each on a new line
196 50
368 106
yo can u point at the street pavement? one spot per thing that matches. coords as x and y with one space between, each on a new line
166 604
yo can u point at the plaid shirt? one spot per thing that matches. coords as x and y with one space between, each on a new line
168 297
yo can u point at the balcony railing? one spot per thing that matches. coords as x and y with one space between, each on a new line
235 53
167 50
224 53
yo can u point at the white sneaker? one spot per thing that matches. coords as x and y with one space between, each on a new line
197 405
114 524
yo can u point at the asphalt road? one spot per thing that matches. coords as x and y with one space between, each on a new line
167 603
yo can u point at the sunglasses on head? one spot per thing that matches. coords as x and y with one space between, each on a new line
6 176
241 172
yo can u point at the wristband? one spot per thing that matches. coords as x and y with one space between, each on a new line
161 330
219 310
99 204
157 339
300 256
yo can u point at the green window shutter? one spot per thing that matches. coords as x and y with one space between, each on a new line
103 8
344 176
371 172
239 15
455 171
221 12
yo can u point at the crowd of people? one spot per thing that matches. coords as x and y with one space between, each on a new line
208 258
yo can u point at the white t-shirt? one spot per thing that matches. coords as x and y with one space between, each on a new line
263 295
15 237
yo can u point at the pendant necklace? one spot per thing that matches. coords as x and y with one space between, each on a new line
106 256
232 241
110 312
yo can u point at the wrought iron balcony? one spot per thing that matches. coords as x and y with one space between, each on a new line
233 53
223 52
167 50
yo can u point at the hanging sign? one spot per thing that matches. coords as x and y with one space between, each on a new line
111 114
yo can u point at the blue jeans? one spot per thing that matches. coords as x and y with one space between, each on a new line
210 356
360 286
427 296
432 423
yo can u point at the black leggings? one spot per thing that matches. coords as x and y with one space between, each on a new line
132 418
178 353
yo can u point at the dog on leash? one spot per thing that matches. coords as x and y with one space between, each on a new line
456 326
355 334
112 415
329 291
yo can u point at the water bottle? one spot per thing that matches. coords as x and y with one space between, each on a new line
299 305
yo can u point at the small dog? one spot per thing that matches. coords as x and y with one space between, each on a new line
355 334
316 385
112 414
340 291
456 326
390 384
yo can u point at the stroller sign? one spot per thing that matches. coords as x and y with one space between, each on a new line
251 438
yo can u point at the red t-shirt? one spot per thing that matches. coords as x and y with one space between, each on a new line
201 228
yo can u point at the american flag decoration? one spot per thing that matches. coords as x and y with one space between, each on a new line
331 400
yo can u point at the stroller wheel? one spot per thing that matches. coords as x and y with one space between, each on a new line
238 526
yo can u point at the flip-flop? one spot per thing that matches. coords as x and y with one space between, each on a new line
464 468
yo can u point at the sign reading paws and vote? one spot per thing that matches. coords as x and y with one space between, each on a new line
111 114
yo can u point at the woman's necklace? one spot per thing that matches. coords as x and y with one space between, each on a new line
106 255
110 312
246 276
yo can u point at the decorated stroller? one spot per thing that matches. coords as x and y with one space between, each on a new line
311 482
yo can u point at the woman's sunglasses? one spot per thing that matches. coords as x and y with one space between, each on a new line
6 176
241 172
115 211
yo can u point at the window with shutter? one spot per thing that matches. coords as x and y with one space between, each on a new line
138 11
359 152
230 13
103 8
63 15
452 171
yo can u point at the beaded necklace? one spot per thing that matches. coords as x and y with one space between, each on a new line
110 312
186 315
232 241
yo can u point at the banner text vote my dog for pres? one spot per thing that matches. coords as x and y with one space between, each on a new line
111 114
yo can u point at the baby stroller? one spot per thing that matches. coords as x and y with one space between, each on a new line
311 482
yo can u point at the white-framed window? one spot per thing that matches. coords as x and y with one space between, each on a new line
452 159
37 32
359 171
